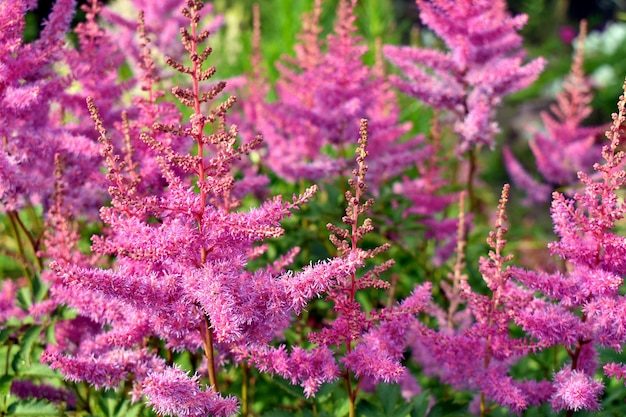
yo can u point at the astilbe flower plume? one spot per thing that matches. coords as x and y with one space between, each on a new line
163 23
181 253
35 139
29 88
567 146
92 68
357 345
429 197
583 308
477 354
482 65
322 93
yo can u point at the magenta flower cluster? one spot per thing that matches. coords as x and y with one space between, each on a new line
183 285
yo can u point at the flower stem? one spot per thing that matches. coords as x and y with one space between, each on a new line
473 154
244 390
207 343
20 245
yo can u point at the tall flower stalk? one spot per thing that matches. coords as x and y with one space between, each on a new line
305 139
567 146
583 307
179 278
482 64
346 346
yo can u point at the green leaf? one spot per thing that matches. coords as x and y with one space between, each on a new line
26 346
5 384
368 410
420 404
5 333
39 370
24 298
388 395
34 408
40 289
13 322
107 401
51 335
132 411
343 409
66 313
403 410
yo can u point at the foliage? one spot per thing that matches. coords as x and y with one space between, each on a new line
211 208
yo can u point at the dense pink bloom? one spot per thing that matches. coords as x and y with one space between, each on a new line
177 268
575 390
482 65
379 353
173 392
28 88
163 23
309 368
478 356
181 256
322 94
566 147
583 308
8 308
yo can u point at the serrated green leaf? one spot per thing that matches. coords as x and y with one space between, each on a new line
133 411
12 322
27 321
26 346
67 313
32 408
121 409
5 384
343 409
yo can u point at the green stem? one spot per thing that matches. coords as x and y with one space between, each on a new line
351 396
244 390
473 154
20 246
33 243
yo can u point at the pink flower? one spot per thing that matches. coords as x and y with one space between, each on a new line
575 390
483 64
173 392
